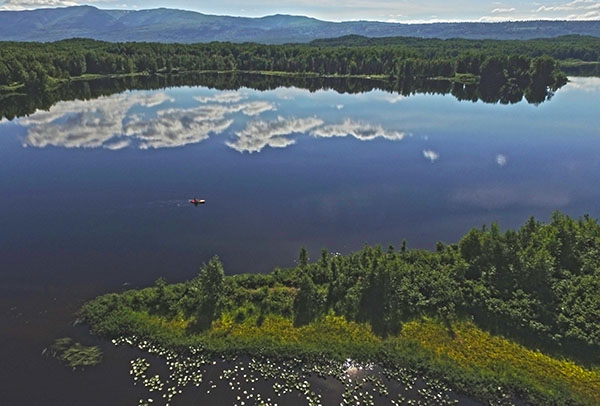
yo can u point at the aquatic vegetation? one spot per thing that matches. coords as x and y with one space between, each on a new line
362 383
75 354
464 359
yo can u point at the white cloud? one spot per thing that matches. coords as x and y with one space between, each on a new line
394 98
501 160
179 127
574 5
583 84
358 130
260 134
104 122
222 97
33 4
256 108
117 145
590 15
503 10
174 128
89 124
431 155
577 9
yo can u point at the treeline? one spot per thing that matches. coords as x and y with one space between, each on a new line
36 65
539 284
580 47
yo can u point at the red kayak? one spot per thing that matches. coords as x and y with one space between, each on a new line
196 202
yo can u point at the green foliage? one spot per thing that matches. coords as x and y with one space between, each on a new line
204 294
577 47
303 257
32 64
306 303
539 286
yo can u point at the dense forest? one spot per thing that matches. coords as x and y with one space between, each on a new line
498 64
579 47
538 286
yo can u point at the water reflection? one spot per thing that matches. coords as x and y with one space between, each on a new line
108 122
431 155
18 105
360 131
584 84
248 120
178 127
157 120
259 134
497 197
91 124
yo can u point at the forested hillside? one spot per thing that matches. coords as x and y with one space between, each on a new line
171 25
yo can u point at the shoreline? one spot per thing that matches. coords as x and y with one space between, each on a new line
54 83
397 308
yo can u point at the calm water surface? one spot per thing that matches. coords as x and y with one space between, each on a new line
93 195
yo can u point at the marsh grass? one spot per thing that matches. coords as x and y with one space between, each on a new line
74 354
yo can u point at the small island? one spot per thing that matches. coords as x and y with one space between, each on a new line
505 317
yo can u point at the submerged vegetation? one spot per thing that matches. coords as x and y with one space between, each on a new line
513 312
74 354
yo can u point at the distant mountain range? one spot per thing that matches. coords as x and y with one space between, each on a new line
169 25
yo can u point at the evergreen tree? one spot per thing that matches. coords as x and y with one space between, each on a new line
306 302
303 258
209 287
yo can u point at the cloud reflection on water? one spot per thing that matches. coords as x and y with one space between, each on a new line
223 97
583 84
140 120
259 134
431 155
276 133
107 122
89 124
359 130
179 127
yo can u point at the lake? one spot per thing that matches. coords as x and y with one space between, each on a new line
94 194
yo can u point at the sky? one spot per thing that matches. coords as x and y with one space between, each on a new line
407 11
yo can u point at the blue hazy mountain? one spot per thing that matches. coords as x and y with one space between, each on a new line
169 25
